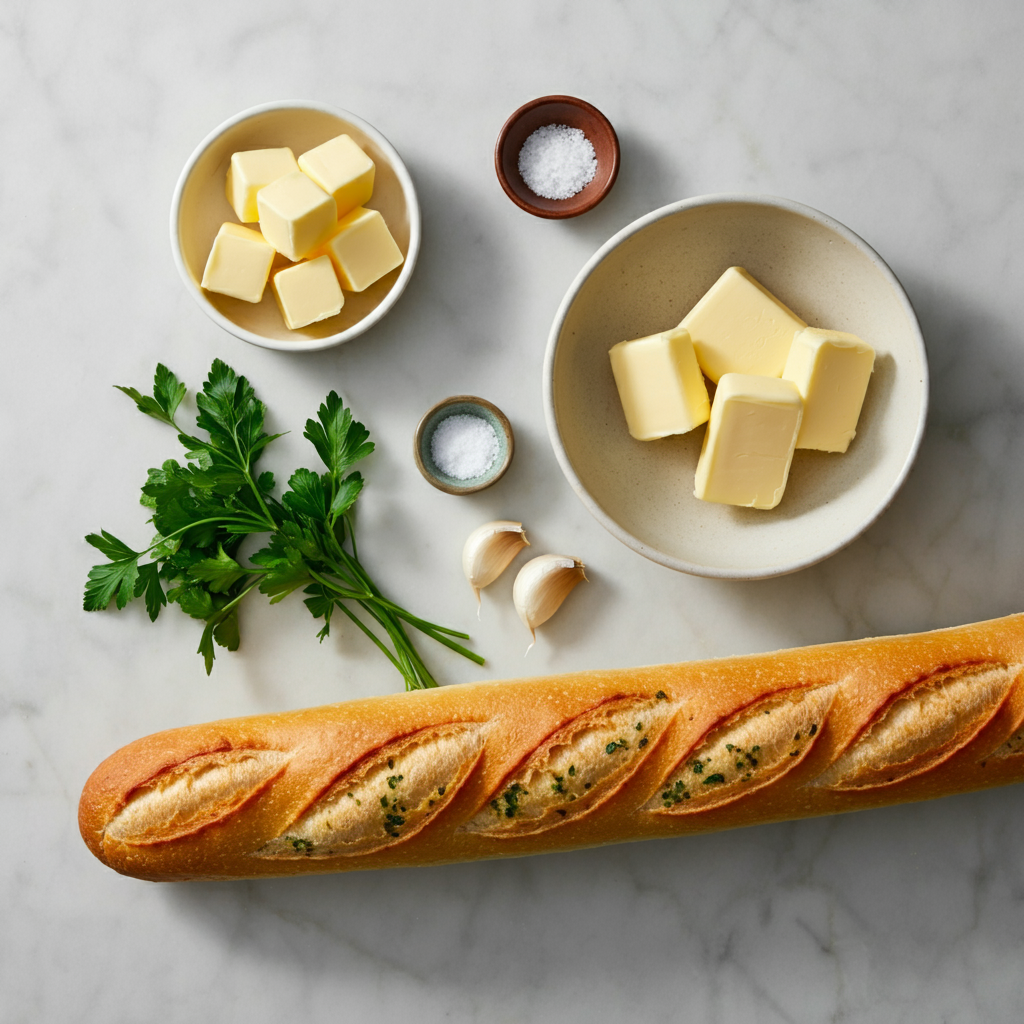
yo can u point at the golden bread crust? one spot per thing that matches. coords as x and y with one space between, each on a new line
485 770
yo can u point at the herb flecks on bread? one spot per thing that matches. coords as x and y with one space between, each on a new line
1013 747
751 749
388 797
577 768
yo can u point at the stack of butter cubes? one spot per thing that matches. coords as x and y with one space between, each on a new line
781 385
312 212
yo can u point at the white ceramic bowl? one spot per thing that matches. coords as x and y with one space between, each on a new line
200 206
644 280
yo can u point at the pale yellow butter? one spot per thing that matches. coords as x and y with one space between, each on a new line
660 384
239 263
362 249
738 326
832 370
341 169
308 292
296 215
749 443
251 170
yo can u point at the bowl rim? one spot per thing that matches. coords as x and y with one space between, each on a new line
305 344
569 211
623 535
506 427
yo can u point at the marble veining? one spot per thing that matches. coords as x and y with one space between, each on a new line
901 121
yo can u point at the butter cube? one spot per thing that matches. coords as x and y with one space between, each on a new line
342 169
296 215
749 443
740 327
308 292
239 263
362 249
832 370
251 170
660 385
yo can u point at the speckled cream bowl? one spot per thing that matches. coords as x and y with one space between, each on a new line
200 206
644 280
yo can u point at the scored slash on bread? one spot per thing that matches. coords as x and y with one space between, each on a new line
185 798
1003 736
752 749
577 768
388 797
923 726
531 766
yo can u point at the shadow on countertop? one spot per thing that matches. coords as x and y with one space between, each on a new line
821 915
950 548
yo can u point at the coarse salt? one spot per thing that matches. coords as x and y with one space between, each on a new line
557 161
464 446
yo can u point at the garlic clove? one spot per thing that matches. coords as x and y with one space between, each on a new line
489 550
541 587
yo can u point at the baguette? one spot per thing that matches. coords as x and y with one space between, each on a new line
484 770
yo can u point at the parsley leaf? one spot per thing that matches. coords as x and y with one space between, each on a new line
233 416
148 583
285 568
306 496
110 545
321 606
345 497
168 392
193 599
219 573
339 441
225 632
116 577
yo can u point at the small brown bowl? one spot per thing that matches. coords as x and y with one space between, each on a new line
454 406
575 113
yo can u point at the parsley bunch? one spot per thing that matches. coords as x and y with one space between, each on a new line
204 510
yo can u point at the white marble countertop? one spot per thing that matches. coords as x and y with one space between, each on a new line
901 121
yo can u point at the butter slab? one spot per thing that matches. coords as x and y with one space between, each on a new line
308 292
342 170
296 215
239 263
738 326
749 443
832 370
253 169
362 249
660 385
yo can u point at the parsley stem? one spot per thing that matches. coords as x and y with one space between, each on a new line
370 633
344 594
222 613
431 629
413 620
452 645
352 535
415 672
164 537
259 497
412 668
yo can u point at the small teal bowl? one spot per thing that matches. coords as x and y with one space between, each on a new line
470 406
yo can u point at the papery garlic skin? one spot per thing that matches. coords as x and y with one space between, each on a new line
541 587
489 550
